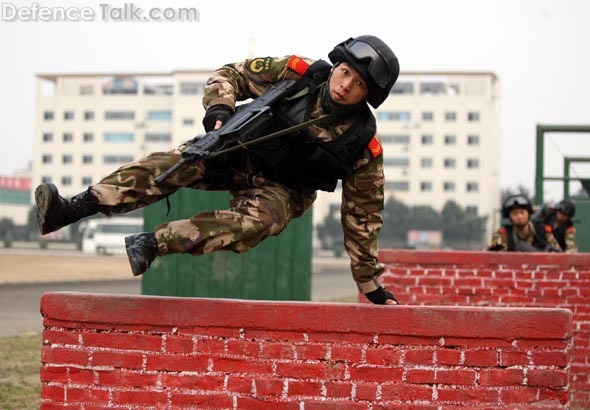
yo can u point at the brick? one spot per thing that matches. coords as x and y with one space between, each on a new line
481 358
60 337
546 378
82 395
311 351
366 391
64 355
125 360
456 376
557 358
338 390
405 393
179 344
304 388
508 359
248 403
211 346
269 387
55 374
519 395
81 376
203 382
420 357
384 356
238 384
272 350
351 354
449 357
376 373
141 397
209 401
470 395
335 405
242 366
54 393
123 341
561 397
243 348
420 376
501 377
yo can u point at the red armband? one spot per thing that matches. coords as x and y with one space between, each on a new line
298 65
375 147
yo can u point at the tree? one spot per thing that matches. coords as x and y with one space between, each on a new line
396 220
461 230
6 229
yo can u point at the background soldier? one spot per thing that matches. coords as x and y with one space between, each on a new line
270 183
563 226
521 234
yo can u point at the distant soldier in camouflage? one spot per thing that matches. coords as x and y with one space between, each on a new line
522 234
561 220
273 182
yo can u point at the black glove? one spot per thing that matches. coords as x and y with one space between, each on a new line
380 295
218 112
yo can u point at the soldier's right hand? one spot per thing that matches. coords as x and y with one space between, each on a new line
382 296
216 116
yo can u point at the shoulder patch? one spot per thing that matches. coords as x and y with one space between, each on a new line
502 230
571 229
375 147
548 229
298 65
260 65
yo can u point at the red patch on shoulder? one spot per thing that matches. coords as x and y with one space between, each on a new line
571 229
548 229
375 147
502 230
298 65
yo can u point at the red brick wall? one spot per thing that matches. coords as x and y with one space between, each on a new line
140 352
501 279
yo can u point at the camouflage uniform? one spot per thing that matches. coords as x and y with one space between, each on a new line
259 207
500 241
568 238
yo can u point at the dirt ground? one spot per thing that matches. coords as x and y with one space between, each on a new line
28 267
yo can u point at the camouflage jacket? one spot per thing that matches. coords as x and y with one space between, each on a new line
566 236
526 234
362 192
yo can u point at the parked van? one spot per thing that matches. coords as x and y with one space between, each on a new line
106 236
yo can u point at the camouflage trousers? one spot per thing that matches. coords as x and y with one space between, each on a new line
259 208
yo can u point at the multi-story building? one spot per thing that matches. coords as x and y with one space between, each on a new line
440 132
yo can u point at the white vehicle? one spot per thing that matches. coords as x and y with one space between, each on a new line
106 236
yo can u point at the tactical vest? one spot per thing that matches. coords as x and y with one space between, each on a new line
560 232
539 241
299 160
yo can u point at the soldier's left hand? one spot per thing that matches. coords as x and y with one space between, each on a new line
382 296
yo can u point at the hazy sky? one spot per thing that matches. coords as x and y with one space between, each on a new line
540 50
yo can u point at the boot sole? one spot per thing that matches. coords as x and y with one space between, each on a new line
134 268
44 196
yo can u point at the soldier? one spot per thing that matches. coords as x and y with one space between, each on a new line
563 225
521 234
270 183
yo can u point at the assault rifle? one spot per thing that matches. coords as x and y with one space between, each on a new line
240 131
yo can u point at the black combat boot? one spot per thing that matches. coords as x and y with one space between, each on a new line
54 212
142 249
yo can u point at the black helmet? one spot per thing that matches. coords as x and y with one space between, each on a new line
373 60
518 201
566 207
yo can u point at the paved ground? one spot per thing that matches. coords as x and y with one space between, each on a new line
26 274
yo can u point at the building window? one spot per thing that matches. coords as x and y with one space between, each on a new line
427 116
427 139
48 115
86 90
450 139
66 159
66 180
395 139
450 116
46 179
472 187
120 85
118 137
448 186
88 115
86 180
192 88
471 210
393 116
472 163
159 115
426 162
425 186
47 137
119 115
397 186
449 162
158 137
88 137
473 140
188 121
68 137
46 159
405 87
68 115
473 116
87 159
396 162
117 159
432 87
